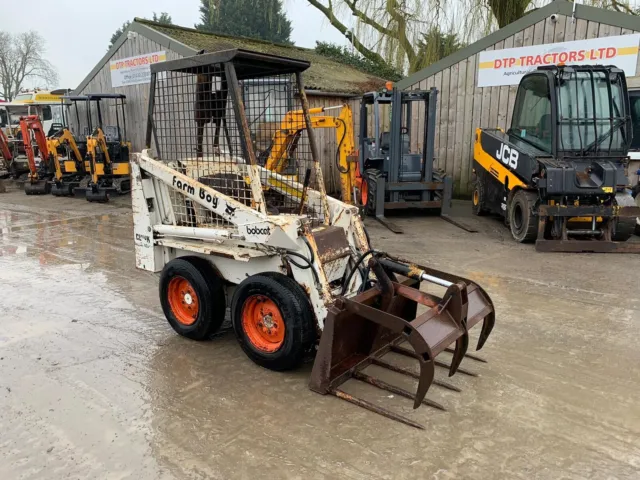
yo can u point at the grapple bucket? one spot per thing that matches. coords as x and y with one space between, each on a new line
359 331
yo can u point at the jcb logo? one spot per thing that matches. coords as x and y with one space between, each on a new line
508 156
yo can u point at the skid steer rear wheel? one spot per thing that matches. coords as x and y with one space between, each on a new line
192 297
273 321
522 221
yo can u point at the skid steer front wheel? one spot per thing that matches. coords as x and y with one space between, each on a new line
192 297
522 221
273 321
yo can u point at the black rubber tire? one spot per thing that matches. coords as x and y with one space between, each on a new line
478 197
209 289
636 196
297 314
371 177
523 222
624 228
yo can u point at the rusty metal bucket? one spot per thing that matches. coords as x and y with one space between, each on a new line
359 331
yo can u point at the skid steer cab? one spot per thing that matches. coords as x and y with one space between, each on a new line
558 175
294 266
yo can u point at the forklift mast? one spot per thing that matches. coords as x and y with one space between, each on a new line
397 165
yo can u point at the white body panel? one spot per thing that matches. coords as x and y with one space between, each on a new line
253 242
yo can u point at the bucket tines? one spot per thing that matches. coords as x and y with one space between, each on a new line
359 331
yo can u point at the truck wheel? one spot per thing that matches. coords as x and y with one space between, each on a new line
522 221
479 199
370 190
192 297
273 321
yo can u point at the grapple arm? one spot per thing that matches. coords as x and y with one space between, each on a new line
360 330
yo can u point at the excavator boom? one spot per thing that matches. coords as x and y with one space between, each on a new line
38 177
293 125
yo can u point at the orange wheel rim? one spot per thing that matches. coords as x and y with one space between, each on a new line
364 192
183 300
476 197
262 323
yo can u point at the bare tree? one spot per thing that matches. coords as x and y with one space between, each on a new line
22 59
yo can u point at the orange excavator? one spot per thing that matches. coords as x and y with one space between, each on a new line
7 155
285 141
40 175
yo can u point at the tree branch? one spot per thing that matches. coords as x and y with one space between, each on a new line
368 20
405 43
367 53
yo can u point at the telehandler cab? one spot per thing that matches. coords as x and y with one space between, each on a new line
558 175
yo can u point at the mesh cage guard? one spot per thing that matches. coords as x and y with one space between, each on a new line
217 123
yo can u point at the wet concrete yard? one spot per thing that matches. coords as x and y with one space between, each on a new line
95 384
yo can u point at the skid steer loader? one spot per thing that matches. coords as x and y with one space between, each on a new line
558 175
303 278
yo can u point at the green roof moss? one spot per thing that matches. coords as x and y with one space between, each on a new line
324 74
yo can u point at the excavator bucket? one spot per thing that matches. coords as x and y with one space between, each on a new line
39 187
95 194
359 331
62 189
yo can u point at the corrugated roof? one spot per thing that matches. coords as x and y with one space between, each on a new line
325 74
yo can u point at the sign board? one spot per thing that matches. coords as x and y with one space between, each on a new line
506 67
134 70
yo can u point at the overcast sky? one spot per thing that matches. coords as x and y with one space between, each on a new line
77 32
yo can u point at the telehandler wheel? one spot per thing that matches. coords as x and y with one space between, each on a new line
478 199
192 297
522 221
636 196
273 320
370 190
624 228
